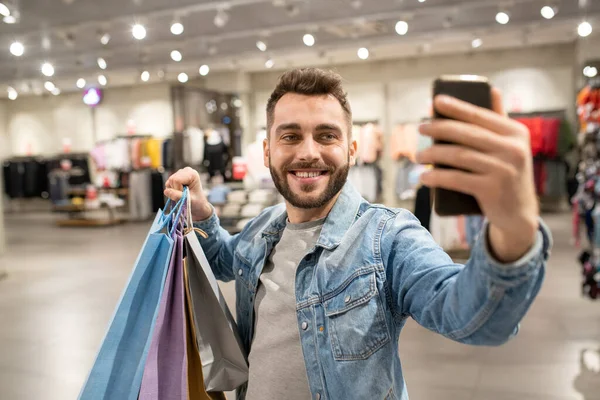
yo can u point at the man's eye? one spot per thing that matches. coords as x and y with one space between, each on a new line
288 138
329 136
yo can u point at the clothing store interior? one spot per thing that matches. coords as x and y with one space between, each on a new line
102 101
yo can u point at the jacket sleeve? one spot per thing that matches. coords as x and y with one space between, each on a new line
479 303
218 247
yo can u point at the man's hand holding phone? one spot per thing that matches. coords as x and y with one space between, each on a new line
491 159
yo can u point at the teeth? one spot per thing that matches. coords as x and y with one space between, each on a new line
307 174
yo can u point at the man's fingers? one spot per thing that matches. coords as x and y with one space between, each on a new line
462 133
450 179
488 119
497 105
459 157
173 194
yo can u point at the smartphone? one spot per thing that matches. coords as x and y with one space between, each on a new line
476 90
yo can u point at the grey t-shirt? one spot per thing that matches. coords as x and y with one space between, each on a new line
277 369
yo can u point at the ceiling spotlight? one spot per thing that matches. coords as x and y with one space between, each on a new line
590 72
49 86
177 28
363 53
476 43
182 77
55 91
102 80
262 46
204 70
105 38
101 63
548 12
4 11
138 31
47 69
80 83
12 93
269 63
308 39
145 77
584 29
10 19
221 18
401 27
421 1
502 18
17 49
176 56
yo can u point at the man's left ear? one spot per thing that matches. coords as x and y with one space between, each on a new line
352 150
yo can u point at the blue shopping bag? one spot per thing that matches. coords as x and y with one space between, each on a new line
119 366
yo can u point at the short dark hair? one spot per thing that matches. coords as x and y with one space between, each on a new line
310 82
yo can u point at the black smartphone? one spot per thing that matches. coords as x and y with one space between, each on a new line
476 90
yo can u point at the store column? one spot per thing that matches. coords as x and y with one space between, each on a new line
4 152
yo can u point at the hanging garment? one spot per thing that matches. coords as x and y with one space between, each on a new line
423 206
154 149
404 141
551 130
364 178
215 158
218 194
167 154
158 180
193 148
371 144
140 195
404 188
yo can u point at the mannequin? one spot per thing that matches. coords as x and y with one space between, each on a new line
216 153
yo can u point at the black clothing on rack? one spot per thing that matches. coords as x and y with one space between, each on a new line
216 157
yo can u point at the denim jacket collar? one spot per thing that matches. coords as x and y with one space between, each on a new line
339 220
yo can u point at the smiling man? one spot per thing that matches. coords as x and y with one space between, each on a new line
326 281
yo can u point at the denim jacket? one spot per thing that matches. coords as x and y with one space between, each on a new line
372 268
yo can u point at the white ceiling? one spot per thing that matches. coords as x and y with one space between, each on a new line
67 34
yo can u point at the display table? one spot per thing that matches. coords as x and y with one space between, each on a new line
79 215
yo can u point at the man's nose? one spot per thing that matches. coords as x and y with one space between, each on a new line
308 150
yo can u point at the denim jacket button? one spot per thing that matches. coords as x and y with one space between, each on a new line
347 299
304 326
240 272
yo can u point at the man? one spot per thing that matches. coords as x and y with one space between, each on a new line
326 282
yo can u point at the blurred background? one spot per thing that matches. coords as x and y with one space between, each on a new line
101 100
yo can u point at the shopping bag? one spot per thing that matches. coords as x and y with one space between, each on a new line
196 389
118 369
224 365
165 373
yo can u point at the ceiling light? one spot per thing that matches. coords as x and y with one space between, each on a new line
10 19
17 49
138 31
363 53
308 40
502 18
584 29
590 72
177 28
47 69
548 12
262 46
80 83
421 1
145 76
476 43
401 27
104 39
55 91
4 10
49 86
176 56
12 93
182 77
101 63
204 70
102 80
221 18
269 63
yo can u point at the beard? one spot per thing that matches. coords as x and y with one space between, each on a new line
337 180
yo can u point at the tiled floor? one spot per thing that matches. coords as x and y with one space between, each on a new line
63 284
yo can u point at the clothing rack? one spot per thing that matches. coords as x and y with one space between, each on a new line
557 113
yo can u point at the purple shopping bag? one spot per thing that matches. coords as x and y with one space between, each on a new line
165 372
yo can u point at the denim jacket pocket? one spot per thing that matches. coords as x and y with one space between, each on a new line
356 318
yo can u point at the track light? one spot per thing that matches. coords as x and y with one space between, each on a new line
176 56
590 72
102 80
401 28
47 69
4 11
55 91
584 29
101 63
269 63
105 38
177 28
17 49
10 19
138 31
204 70
308 40
12 93
363 53
502 18
262 46
80 83
182 77
476 43
49 86
548 12
145 77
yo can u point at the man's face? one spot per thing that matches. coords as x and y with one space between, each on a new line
308 150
